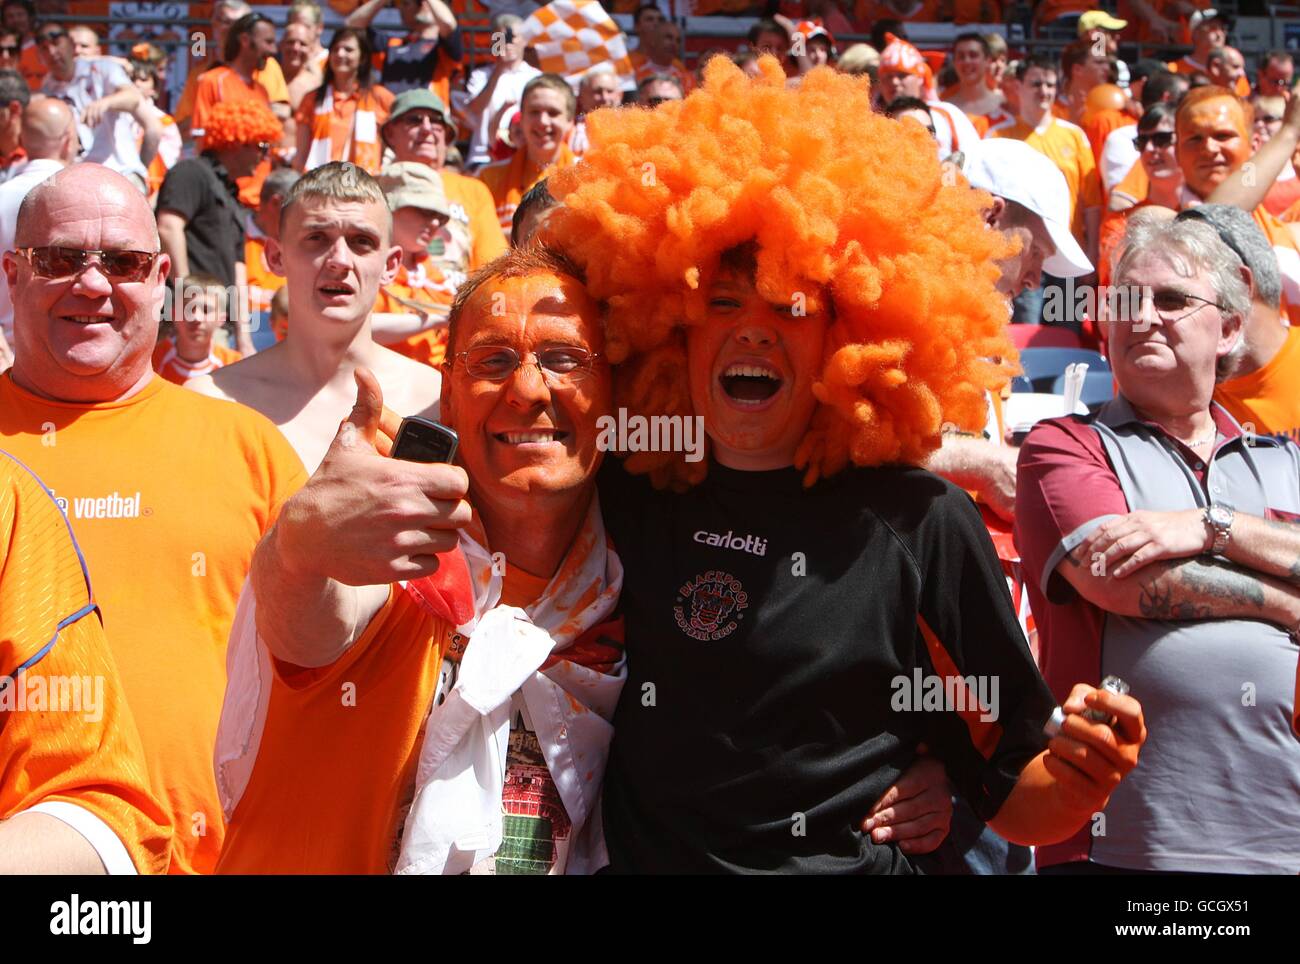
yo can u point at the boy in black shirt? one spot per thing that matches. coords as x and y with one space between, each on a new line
794 633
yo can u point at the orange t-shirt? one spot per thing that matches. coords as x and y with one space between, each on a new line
1067 147
509 181
426 285
84 752
31 66
168 493
1098 125
336 803
1267 398
270 77
171 366
263 283
472 235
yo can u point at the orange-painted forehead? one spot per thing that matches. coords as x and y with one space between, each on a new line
1216 113
508 307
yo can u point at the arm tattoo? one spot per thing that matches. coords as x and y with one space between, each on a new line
1192 589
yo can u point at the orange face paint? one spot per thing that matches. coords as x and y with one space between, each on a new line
1212 143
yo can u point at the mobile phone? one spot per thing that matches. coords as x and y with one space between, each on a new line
424 440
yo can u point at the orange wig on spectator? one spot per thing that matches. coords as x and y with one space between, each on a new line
845 208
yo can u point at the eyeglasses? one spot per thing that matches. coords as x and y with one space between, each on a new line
51 36
496 363
1161 139
1167 302
59 263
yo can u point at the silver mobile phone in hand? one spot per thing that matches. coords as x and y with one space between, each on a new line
424 440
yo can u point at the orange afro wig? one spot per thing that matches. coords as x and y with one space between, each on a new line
238 124
842 204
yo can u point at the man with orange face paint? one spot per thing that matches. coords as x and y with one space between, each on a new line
1213 137
783 608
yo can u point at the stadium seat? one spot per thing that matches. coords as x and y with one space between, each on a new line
1042 365
1098 388
1043 336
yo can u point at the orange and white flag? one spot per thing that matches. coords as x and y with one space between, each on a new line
572 36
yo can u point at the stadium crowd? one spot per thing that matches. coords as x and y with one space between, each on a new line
867 272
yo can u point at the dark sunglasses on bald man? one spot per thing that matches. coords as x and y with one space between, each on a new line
50 36
59 263
10 50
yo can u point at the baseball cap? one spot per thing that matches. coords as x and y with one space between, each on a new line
1201 17
410 184
1014 171
421 98
1100 18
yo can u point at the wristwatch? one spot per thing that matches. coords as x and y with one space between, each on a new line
1219 519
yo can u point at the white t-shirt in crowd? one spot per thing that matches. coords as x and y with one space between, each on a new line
509 88
1118 155
12 193
112 142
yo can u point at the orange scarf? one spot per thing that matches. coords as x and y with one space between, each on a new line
362 148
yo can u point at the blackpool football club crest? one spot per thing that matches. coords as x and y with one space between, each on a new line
710 606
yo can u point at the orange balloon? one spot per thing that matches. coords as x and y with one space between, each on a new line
1105 97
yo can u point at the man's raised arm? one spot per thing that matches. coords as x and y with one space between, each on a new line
362 522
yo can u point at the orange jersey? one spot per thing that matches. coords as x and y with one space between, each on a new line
427 285
509 181
1098 125
335 803
1067 147
168 363
168 493
80 756
270 78
1267 399
1283 243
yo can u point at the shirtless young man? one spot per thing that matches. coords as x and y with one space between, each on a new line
335 250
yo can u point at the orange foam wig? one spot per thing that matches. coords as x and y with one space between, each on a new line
847 209
238 124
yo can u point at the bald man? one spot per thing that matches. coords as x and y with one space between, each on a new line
49 136
335 250
168 492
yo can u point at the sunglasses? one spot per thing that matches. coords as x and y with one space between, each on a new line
10 50
1161 139
51 36
57 264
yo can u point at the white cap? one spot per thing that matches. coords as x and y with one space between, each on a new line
1205 16
1014 171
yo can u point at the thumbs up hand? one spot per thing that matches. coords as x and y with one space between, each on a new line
365 519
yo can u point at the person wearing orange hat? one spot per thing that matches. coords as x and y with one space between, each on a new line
199 218
904 72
